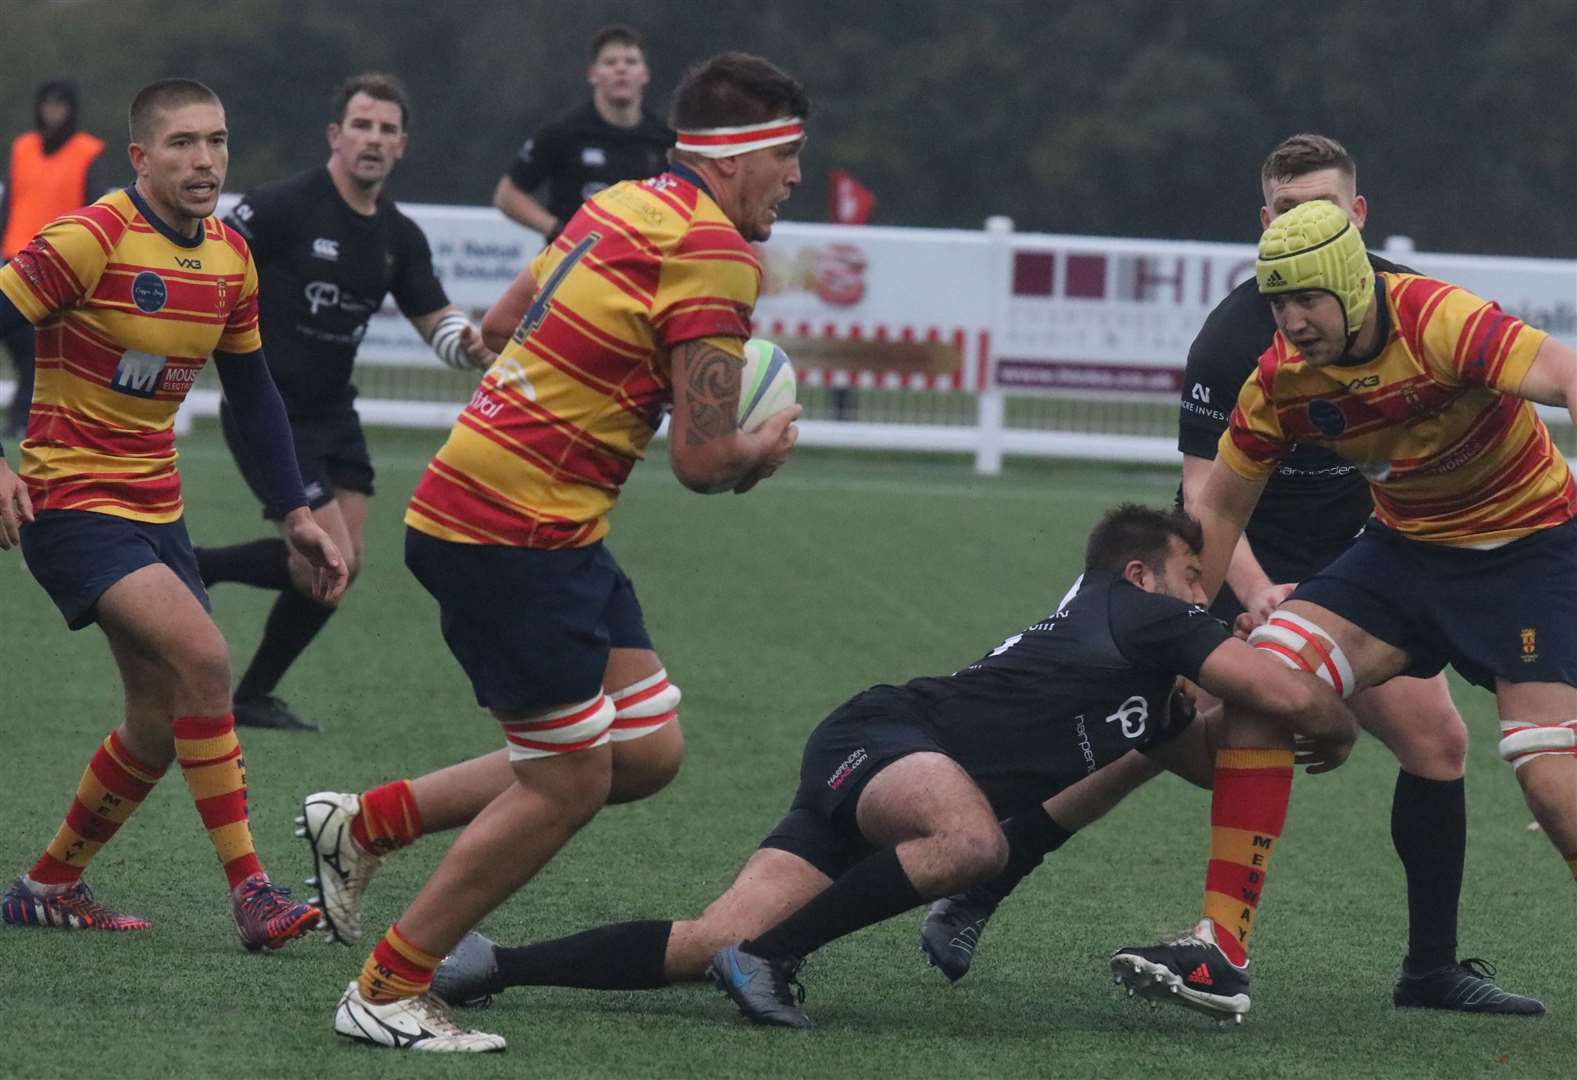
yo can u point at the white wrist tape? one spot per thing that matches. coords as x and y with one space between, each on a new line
446 340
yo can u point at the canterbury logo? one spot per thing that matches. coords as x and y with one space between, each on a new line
1201 976
1275 278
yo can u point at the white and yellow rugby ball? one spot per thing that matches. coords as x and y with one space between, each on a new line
767 383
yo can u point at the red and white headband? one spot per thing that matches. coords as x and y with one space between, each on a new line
722 142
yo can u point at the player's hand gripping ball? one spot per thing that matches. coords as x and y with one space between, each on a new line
767 383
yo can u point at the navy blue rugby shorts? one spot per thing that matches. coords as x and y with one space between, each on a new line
76 555
532 629
1509 613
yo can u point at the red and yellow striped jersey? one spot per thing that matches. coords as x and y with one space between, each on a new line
1451 454
127 313
539 455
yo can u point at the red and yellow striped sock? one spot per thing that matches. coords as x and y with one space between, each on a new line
112 787
210 759
1248 807
396 969
388 820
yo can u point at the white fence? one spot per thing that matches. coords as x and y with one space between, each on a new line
982 318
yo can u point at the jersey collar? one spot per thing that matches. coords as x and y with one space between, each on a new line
159 225
690 176
1384 327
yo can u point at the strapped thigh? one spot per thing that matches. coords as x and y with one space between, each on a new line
562 731
1299 643
1520 743
644 706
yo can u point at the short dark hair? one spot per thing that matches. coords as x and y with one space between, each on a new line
161 95
616 34
733 89
1131 531
377 85
1305 153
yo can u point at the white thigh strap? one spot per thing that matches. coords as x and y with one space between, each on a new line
1521 743
1301 644
563 731
644 707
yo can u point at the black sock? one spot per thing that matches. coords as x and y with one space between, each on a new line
1032 836
875 888
292 623
1429 829
264 563
624 956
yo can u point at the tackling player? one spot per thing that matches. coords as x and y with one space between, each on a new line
130 296
1471 559
901 787
329 246
1315 504
642 303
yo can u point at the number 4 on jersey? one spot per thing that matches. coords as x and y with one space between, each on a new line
539 304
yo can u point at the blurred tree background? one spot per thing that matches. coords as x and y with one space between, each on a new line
1125 117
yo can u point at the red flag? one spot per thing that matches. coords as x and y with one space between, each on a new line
849 202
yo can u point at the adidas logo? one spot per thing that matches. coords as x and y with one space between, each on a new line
1200 976
1275 278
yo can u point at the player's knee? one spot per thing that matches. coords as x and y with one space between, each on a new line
648 745
973 853
574 738
1434 747
644 767
204 674
1450 744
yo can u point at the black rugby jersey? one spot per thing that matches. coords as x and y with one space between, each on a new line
324 270
1315 501
1069 694
578 154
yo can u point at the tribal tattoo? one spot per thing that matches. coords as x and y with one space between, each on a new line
712 378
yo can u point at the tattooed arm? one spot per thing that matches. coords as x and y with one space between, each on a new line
707 450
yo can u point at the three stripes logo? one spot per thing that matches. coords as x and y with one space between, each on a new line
1200 976
1275 279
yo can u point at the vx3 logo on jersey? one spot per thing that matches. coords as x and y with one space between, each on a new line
1368 382
188 264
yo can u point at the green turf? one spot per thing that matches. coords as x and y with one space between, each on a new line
843 571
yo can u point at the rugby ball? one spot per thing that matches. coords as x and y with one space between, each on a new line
766 385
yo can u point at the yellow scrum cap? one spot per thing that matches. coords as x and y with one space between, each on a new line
1315 246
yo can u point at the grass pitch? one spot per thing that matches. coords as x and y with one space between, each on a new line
768 610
